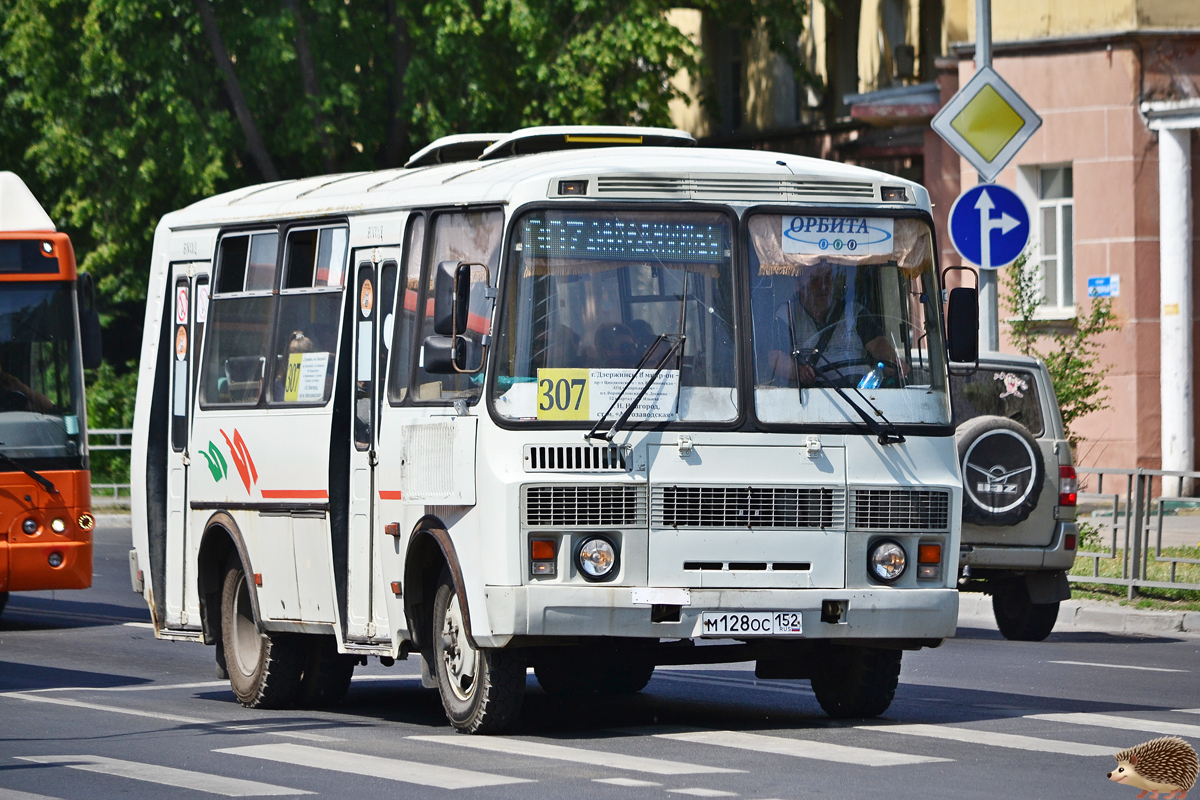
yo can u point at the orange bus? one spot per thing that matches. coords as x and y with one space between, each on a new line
49 331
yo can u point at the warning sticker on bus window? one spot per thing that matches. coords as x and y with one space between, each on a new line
305 382
585 394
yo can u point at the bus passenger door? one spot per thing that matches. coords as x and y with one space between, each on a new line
366 615
181 599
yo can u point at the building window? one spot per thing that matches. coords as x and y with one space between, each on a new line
1055 221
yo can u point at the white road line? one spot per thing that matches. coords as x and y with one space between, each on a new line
1116 666
631 782
398 678
13 794
1010 740
801 748
151 687
291 734
1187 711
149 625
703 792
735 683
59 701
1123 723
392 769
576 755
167 776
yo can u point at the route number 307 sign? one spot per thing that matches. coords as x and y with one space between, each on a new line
579 394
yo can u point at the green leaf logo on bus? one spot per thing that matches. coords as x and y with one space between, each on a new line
241 459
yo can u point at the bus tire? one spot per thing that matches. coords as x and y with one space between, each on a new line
3 601
855 681
481 688
265 670
327 672
1020 619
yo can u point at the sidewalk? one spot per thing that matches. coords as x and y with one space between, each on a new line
975 611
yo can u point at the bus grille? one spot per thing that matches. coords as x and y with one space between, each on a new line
900 509
732 187
584 506
576 458
748 507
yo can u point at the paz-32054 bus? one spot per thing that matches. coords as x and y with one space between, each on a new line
569 398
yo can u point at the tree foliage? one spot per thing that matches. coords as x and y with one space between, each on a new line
118 111
1073 359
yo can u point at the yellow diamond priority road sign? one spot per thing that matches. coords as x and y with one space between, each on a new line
987 122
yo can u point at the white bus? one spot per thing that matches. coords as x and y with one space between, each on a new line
572 399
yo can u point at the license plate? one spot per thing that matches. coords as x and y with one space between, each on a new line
751 623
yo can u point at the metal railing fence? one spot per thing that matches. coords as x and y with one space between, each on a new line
100 439
1138 513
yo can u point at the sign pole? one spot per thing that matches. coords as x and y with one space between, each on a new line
989 301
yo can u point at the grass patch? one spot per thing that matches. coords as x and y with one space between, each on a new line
1148 598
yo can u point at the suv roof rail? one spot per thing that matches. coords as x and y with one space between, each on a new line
457 147
570 137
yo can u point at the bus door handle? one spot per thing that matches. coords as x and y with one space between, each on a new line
371 459
185 458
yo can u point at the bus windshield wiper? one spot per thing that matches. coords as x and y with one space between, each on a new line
675 345
43 481
887 433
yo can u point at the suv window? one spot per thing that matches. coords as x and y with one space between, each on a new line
997 392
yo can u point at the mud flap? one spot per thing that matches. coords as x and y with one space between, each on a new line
1047 587
428 676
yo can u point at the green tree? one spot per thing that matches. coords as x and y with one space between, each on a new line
1073 357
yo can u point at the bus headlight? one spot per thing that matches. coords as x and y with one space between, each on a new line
58 526
886 561
596 558
30 526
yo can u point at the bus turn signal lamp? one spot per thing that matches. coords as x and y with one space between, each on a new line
1068 486
86 521
543 558
929 561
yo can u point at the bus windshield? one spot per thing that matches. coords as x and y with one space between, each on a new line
850 303
589 295
40 386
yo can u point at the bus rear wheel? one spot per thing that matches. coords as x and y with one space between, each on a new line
481 688
265 669
853 681
327 672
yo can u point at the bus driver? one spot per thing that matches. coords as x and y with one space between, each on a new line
832 334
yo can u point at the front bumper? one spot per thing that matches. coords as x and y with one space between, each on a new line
573 611
1054 557
29 565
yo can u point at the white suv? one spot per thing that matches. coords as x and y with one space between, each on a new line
1019 492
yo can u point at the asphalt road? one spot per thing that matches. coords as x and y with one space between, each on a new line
91 706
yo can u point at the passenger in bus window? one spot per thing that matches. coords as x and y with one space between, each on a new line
616 346
16 396
836 338
556 347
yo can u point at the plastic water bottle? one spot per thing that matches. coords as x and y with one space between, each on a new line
872 379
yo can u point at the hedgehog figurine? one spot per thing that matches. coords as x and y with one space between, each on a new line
1165 765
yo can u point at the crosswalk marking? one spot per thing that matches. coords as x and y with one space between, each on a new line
631 782
1116 666
521 747
1187 710
13 794
392 769
151 687
994 739
167 776
703 792
133 712
1123 723
738 683
801 748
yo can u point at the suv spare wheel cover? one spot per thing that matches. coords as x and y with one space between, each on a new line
1002 468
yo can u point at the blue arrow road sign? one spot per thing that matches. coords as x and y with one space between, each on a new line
989 226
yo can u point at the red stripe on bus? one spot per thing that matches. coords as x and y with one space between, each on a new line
389 494
295 494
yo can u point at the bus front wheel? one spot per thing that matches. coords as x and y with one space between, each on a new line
852 681
265 669
481 688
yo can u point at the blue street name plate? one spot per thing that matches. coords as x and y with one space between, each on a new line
989 226
1104 286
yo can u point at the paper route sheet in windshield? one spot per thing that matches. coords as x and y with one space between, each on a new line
585 394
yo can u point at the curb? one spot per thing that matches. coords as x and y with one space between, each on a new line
975 611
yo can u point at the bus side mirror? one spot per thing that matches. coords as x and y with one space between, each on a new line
451 294
444 355
962 325
89 323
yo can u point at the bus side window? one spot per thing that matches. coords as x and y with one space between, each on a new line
240 320
408 287
306 328
388 277
462 236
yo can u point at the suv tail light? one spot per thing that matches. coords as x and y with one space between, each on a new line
1068 486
